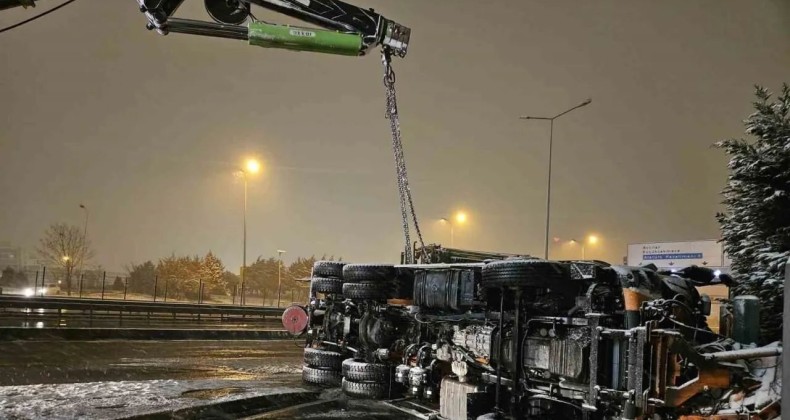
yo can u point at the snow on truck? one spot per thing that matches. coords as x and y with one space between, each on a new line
468 335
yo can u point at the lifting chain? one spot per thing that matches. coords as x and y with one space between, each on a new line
404 192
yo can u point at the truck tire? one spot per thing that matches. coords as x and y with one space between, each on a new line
323 359
321 377
371 390
368 273
358 371
524 273
364 291
332 269
327 285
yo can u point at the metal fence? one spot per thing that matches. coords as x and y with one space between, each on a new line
113 285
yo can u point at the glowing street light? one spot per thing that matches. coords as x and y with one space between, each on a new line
591 240
460 218
65 258
251 166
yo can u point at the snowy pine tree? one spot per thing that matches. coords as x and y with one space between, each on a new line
756 225
212 272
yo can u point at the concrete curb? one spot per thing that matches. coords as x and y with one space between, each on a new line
14 333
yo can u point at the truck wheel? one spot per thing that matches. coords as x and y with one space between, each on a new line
324 359
372 390
320 376
328 269
357 371
368 273
524 273
327 285
364 291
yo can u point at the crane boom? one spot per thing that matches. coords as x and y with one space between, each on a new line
344 29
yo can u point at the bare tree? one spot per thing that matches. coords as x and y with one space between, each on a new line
66 247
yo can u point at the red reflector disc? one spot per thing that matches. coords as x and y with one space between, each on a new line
295 319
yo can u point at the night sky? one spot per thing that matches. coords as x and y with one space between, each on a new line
147 130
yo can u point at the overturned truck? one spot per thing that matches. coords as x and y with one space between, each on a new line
466 334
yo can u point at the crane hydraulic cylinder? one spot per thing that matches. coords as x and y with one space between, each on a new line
304 39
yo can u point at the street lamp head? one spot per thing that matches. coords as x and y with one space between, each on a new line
460 217
280 251
82 206
592 239
252 166
444 220
587 101
66 258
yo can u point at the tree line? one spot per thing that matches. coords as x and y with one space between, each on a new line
183 276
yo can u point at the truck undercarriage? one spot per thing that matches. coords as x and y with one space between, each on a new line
471 334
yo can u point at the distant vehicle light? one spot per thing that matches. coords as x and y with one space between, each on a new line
28 292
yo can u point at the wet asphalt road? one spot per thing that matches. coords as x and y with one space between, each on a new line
52 362
118 379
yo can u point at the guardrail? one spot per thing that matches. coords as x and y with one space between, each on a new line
69 313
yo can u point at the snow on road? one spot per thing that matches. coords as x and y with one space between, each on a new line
119 399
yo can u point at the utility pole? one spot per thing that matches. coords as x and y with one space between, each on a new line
551 146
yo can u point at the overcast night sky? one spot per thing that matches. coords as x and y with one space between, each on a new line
147 130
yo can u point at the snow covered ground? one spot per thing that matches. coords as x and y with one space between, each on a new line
119 399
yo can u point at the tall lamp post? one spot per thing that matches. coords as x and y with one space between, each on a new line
68 262
591 240
252 166
459 218
280 253
84 238
551 145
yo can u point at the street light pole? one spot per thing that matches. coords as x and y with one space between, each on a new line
84 237
244 252
452 234
280 253
592 240
251 166
459 217
551 146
